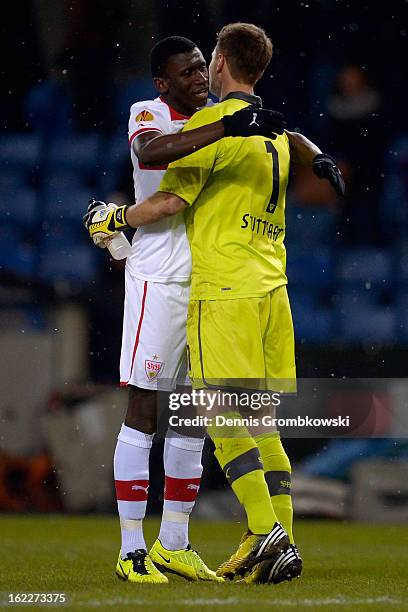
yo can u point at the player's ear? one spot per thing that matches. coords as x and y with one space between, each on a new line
220 62
161 85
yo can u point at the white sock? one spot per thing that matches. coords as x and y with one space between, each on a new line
131 469
183 469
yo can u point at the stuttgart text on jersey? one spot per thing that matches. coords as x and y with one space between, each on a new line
261 226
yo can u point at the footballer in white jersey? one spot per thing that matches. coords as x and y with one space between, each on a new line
157 272
160 252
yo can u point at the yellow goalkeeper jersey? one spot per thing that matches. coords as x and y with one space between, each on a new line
235 190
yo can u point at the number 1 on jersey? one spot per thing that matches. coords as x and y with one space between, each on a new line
273 202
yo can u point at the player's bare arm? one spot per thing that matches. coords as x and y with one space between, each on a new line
153 148
304 152
103 223
158 206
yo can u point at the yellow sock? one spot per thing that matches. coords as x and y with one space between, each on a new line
278 477
239 457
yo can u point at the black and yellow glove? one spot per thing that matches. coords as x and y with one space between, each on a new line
102 221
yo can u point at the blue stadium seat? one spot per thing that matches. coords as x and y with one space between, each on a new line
117 150
77 264
10 234
401 305
49 107
20 206
401 270
76 152
346 300
305 226
310 268
24 317
304 297
61 235
20 151
66 206
115 155
128 94
16 255
312 325
393 211
375 324
369 268
322 77
11 179
63 181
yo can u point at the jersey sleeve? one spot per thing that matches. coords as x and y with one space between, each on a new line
146 117
187 176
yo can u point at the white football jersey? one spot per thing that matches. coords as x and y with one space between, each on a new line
160 251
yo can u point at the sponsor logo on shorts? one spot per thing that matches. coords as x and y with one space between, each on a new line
153 369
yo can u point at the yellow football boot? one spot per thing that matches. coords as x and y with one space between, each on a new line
252 550
138 567
186 563
227 569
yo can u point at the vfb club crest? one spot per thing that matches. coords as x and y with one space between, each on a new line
153 368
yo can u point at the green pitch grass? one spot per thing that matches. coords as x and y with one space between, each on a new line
347 567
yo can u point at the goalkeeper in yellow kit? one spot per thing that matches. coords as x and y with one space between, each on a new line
239 324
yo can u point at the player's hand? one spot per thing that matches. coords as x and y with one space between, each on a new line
324 166
254 121
93 206
102 221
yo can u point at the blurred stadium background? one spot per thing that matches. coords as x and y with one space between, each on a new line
72 70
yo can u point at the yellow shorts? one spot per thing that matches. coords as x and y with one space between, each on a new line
244 343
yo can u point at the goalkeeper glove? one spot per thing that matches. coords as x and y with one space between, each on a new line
324 166
254 121
102 220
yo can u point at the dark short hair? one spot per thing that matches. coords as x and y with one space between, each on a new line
165 49
248 50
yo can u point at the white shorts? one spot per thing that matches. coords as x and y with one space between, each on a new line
153 354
